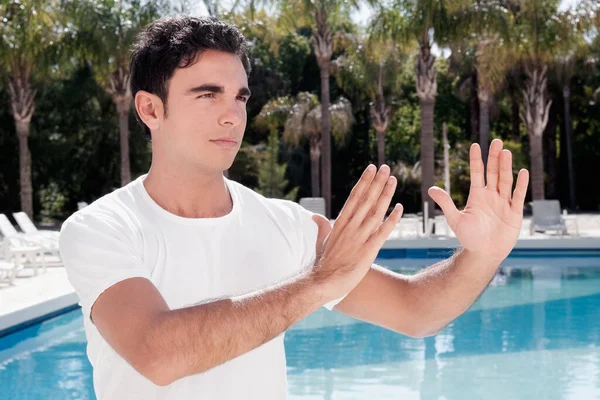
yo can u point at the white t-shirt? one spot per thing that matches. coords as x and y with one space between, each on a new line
125 234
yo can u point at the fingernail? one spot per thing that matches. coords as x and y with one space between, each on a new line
371 168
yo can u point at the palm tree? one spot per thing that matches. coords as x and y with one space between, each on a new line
571 49
323 16
487 22
106 30
301 118
538 30
371 67
427 22
28 37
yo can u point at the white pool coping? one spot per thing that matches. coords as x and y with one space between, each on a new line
564 243
34 297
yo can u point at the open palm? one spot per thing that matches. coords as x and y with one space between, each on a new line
491 221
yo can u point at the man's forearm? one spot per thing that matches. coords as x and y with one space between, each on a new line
448 288
195 339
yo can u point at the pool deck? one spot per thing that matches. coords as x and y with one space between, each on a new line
30 297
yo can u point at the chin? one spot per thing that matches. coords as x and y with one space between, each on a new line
222 164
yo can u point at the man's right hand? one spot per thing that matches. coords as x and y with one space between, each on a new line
346 253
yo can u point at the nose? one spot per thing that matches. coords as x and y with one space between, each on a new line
233 114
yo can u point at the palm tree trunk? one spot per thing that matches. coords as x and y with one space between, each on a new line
516 121
474 109
568 142
119 90
322 41
446 157
536 107
123 103
380 114
315 155
380 147
326 139
22 98
484 125
537 167
427 154
22 128
426 85
550 156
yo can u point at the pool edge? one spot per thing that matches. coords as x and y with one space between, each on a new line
37 313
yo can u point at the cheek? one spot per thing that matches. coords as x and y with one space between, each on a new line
190 122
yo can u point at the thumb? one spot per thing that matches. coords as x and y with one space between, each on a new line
443 199
324 226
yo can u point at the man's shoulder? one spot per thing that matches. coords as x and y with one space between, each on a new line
251 199
111 212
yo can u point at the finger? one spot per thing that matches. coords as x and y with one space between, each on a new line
377 213
443 199
324 228
385 229
493 164
506 177
371 195
520 192
355 196
476 166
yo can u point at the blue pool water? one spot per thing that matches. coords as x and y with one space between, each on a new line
533 334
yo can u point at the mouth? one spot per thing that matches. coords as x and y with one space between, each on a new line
225 143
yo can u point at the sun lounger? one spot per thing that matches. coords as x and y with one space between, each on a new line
9 272
546 217
28 245
28 227
19 251
314 204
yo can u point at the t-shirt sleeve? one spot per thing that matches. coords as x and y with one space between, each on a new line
98 252
309 231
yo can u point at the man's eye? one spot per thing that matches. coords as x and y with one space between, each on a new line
206 96
243 98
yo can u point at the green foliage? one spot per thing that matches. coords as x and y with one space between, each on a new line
106 29
74 139
52 200
271 174
30 32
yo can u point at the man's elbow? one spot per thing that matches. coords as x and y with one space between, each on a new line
164 368
160 376
419 330
154 368
153 364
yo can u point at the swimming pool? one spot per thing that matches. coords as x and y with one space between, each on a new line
533 334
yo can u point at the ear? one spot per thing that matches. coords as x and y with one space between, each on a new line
150 109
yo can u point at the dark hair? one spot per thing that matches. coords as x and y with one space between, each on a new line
171 43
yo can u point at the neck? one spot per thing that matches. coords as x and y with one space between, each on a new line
189 193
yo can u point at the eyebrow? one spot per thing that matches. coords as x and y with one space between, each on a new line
210 87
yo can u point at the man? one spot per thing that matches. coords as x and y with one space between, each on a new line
188 280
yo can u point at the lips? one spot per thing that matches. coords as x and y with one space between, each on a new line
225 139
225 142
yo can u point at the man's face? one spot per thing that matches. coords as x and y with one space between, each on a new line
206 112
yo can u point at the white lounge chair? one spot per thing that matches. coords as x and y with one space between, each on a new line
8 230
546 217
442 228
314 204
28 227
9 272
22 253
28 245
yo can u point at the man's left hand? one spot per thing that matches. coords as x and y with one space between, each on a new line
491 222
